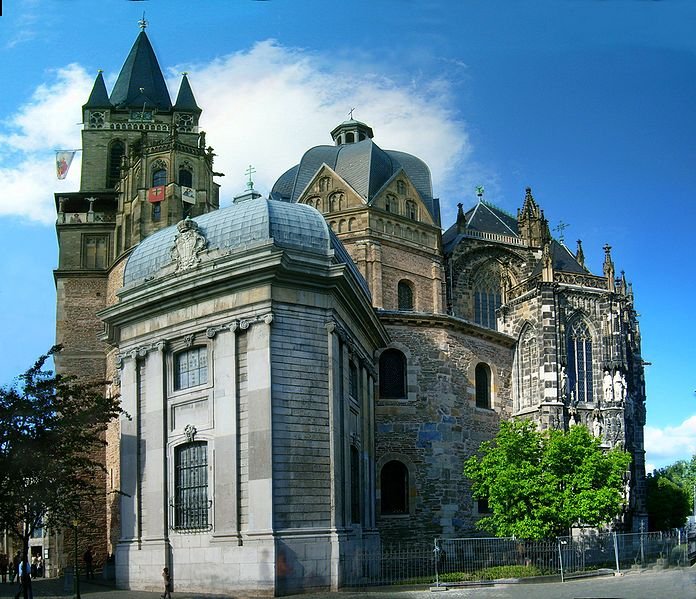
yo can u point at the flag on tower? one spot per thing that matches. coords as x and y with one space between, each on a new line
155 194
64 159
188 195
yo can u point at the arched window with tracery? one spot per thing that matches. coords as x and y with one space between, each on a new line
324 183
159 173
117 150
487 295
483 385
525 376
394 488
580 361
392 374
186 175
405 295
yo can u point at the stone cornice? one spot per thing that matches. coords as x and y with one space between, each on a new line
423 319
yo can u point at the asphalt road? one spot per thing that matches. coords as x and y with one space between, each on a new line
664 584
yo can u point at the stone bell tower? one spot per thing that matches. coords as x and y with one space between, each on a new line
145 166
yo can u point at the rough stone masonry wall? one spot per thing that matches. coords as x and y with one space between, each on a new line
438 431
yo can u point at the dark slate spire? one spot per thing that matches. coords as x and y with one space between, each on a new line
185 100
98 98
140 81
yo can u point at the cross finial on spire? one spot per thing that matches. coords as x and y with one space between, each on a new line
350 113
250 171
561 227
142 23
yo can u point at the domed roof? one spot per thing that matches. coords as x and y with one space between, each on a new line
365 166
240 226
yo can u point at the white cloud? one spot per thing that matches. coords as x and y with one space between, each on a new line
666 445
268 105
265 106
29 138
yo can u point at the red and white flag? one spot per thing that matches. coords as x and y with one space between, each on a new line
155 194
63 161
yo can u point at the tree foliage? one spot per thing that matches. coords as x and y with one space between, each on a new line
668 503
51 434
539 484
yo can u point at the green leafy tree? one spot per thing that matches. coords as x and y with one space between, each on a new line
51 439
683 474
539 484
668 504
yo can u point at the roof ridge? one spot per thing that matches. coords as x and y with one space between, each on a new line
492 210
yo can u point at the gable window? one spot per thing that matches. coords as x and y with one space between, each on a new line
390 204
394 488
191 486
392 374
191 368
405 293
580 361
483 385
400 186
411 211
324 183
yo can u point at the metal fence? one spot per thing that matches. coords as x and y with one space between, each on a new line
452 561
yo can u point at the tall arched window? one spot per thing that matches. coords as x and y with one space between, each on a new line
117 151
394 488
580 361
487 295
159 173
483 385
526 378
392 374
191 486
185 177
405 293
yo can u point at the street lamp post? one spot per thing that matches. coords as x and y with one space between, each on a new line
77 569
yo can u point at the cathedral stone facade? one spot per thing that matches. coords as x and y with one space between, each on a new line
305 374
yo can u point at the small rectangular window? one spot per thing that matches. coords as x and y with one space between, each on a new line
94 251
191 368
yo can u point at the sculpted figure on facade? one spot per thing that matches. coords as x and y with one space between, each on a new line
608 387
619 387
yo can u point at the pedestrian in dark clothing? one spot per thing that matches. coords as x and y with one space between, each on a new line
4 563
166 579
89 558
24 574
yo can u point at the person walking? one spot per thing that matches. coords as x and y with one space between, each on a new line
4 563
166 579
89 559
24 575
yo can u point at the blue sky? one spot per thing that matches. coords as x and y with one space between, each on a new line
588 102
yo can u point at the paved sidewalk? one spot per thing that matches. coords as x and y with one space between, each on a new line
665 584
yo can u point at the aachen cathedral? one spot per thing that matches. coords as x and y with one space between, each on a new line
306 373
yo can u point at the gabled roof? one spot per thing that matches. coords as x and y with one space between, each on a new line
141 71
485 218
563 260
364 166
184 99
99 98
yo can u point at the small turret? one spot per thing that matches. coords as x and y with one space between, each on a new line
580 255
533 226
461 218
99 98
351 131
609 272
